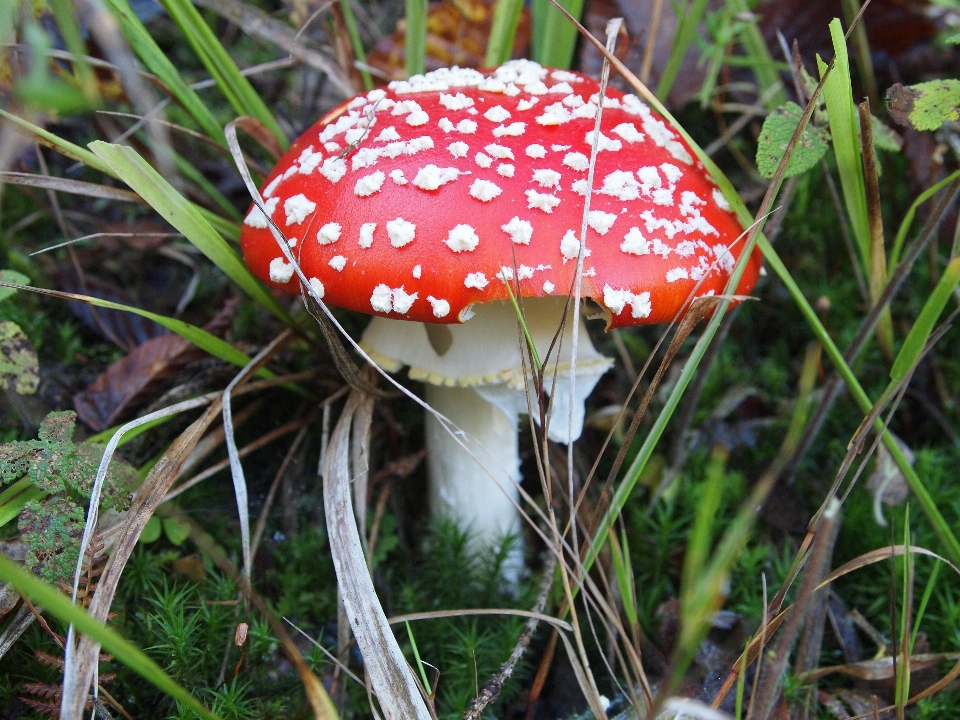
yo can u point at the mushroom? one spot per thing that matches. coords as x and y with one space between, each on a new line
421 202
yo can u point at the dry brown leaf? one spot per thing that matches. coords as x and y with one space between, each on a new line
879 668
122 386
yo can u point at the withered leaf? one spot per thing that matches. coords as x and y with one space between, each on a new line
925 106
120 387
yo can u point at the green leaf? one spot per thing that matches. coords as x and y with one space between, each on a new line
151 531
554 38
925 106
40 89
65 147
198 336
690 14
122 649
777 130
415 37
884 136
179 212
176 531
358 52
51 531
11 276
19 367
234 86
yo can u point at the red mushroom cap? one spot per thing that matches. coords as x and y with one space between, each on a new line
408 202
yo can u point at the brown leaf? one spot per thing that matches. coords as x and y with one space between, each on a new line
123 385
190 567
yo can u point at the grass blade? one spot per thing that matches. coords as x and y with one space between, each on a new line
416 37
227 228
123 650
554 38
15 497
159 64
235 87
191 173
506 18
911 213
913 346
358 52
761 61
64 147
902 681
877 272
689 17
175 209
838 94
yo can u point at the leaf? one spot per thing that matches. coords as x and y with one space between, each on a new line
125 382
52 530
151 531
777 130
123 329
838 94
53 463
75 187
199 337
913 345
235 87
925 106
18 360
884 137
11 276
176 531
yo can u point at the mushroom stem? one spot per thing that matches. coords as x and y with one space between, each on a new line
480 496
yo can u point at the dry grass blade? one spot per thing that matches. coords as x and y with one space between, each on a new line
74 187
390 675
257 23
81 658
879 668
236 468
468 612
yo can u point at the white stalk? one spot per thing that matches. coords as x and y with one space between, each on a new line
480 498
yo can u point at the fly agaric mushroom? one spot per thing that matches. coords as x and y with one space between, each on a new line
418 203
